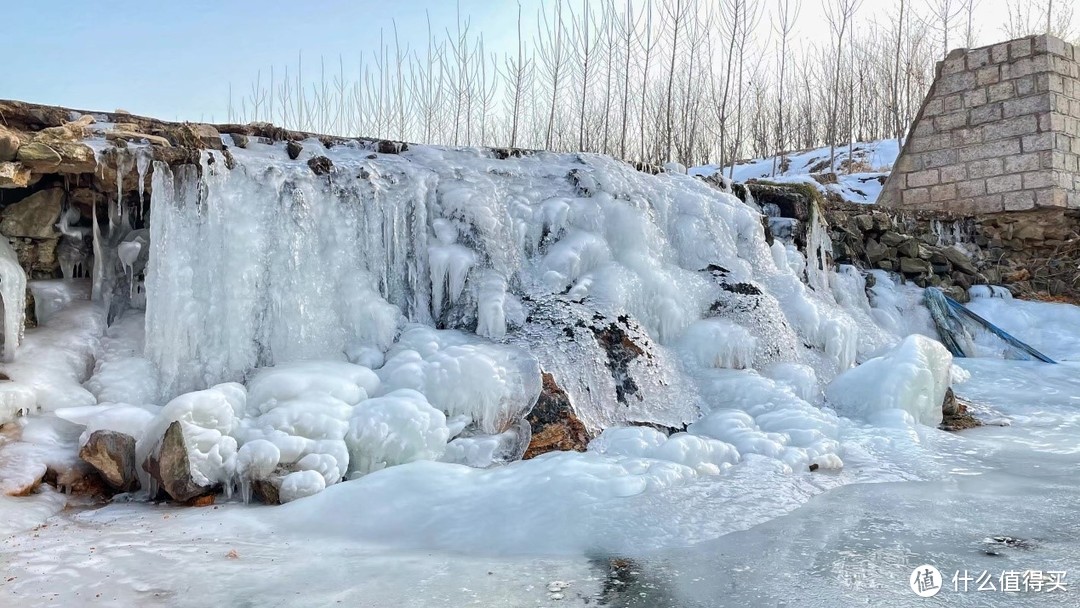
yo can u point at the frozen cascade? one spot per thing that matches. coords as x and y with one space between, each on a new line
13 296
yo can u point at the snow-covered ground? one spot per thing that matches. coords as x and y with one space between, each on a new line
291 320
860 170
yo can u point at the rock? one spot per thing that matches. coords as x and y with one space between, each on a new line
200 135
961 279
1017 276
390 147
15 175
267 491
75 157
958 260
154 140
168 464
72 131
864 222
35 216
320 165
555 427
1029 232
37 256
957 293
908 248
30 318
39 157
875 251
294 148
914 266
240 140
893 239
886 265
112 454
9 144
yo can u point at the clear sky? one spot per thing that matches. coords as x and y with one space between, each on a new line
175 59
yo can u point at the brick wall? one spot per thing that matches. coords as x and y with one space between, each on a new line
999 131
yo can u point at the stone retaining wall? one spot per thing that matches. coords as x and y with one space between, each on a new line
999 131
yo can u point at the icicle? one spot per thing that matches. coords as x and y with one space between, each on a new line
128 252
13 294
99 259
142 164
491 315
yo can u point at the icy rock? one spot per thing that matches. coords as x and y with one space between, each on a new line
112 455
15 399
171 468
13 295
301 484
555 426
912 377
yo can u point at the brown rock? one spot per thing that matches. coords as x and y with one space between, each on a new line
555 427
168 464
112 454
9 144
15 175
35 216
154 140
39 157
75 157
267 491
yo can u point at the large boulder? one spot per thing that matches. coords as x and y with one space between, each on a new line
555 427
112 454
170 466
35 216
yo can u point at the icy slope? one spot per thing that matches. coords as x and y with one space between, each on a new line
860 174
387 323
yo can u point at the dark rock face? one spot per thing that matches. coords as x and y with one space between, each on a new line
168 464
320 165
112 455
621 350
294 148
555 427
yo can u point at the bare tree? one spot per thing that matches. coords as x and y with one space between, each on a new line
839 14
786 16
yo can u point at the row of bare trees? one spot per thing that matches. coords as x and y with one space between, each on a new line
650 80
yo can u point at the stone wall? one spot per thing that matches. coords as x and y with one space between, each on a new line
999 131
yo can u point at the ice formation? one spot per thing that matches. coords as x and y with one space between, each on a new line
390 323
912 377
13 296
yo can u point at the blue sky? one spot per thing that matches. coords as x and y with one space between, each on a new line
174 60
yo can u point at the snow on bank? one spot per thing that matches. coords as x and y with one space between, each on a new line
860 174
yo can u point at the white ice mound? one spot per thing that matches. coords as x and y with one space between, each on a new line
705 455
396 428
494 385
913 377
344 381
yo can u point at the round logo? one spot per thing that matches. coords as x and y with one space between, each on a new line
925 581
